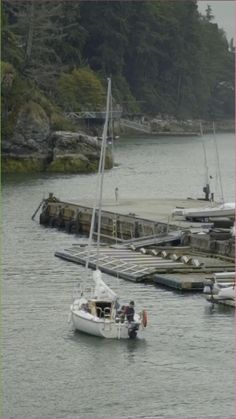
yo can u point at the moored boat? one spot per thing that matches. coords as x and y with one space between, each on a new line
221 288
215 211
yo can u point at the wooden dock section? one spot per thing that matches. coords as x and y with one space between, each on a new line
184 273
150 224
181 281
122 263
146 243
126 219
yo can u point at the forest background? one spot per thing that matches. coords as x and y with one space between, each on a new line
164 57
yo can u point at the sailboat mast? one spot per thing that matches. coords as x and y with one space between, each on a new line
101 174
111 131
218 164
98 199
205 157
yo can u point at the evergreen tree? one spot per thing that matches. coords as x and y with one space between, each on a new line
163 56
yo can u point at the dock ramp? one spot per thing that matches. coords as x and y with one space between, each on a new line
123 263
154 240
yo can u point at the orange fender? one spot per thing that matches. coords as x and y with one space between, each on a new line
144 318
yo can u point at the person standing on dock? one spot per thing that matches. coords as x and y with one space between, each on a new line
211 183
117 194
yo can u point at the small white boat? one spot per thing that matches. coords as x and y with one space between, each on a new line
224 210
226 293
98 315
220 288
96 312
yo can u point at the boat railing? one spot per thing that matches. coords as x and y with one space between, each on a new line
99 312
107 312
103 313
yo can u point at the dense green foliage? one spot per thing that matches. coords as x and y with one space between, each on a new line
80 89
163 56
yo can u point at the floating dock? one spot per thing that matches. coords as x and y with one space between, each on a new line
184 273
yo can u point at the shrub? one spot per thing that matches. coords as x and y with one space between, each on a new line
81 90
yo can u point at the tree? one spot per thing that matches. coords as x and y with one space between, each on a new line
217 67
163 56
209 15
106 42
10 42
46 32
81 90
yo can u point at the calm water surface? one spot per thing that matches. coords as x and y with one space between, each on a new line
183 367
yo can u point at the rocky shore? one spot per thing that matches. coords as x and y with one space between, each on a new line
171 125
34 147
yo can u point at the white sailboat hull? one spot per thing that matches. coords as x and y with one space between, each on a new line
227 293
225 210
221 289
104 328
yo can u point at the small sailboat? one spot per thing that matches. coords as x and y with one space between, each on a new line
221 288
212 210
97 313
96 310
226 210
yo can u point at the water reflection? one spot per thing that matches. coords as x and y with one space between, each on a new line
80 337
135 348
217 309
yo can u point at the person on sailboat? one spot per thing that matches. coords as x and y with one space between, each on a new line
121 314
129 312
85 307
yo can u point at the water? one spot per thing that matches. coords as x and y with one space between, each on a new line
184 365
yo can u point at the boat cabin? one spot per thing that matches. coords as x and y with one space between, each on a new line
101 309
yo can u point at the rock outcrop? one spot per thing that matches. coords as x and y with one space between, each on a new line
75 152
33 147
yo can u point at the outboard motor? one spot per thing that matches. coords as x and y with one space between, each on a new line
132 330
208 287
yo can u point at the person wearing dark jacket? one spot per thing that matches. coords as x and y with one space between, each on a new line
129 312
